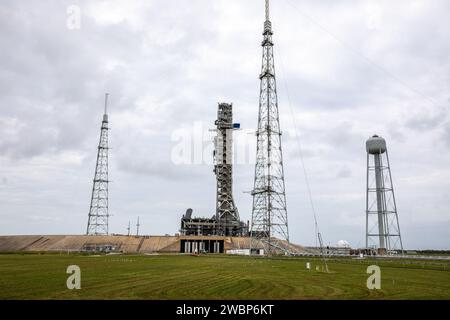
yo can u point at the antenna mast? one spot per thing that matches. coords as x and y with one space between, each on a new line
106 102
269 214
98 212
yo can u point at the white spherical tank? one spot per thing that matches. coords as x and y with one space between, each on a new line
376 145
343 244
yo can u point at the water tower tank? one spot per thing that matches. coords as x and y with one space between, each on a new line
376 145
382 227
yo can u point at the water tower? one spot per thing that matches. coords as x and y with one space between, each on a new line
382 226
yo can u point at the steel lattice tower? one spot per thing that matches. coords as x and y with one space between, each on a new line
382 226
227 214
269 214
98 212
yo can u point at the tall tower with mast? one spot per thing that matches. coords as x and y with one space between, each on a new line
227 214
98 212
382 225
269 213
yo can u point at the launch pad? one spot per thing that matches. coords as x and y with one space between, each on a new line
137 244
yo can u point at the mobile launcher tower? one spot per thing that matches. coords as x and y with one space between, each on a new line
226 221
227 214
382 226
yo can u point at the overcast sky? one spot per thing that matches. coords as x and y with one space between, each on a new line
345 70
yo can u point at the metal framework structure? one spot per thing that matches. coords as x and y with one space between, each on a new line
137 227
225 221
98 212
382 225
227 215
269 214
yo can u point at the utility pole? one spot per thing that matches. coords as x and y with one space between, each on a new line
137 227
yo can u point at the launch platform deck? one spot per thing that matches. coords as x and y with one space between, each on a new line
126 244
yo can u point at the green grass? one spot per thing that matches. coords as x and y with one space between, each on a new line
43 276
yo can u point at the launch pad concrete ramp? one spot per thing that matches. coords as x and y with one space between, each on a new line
118 243
80 243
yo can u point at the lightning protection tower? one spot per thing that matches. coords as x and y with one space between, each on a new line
227 215
98 212
269 214
382 226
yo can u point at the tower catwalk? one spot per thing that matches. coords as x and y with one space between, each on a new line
269 214
98 212
382 226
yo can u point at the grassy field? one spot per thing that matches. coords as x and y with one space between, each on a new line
43 276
